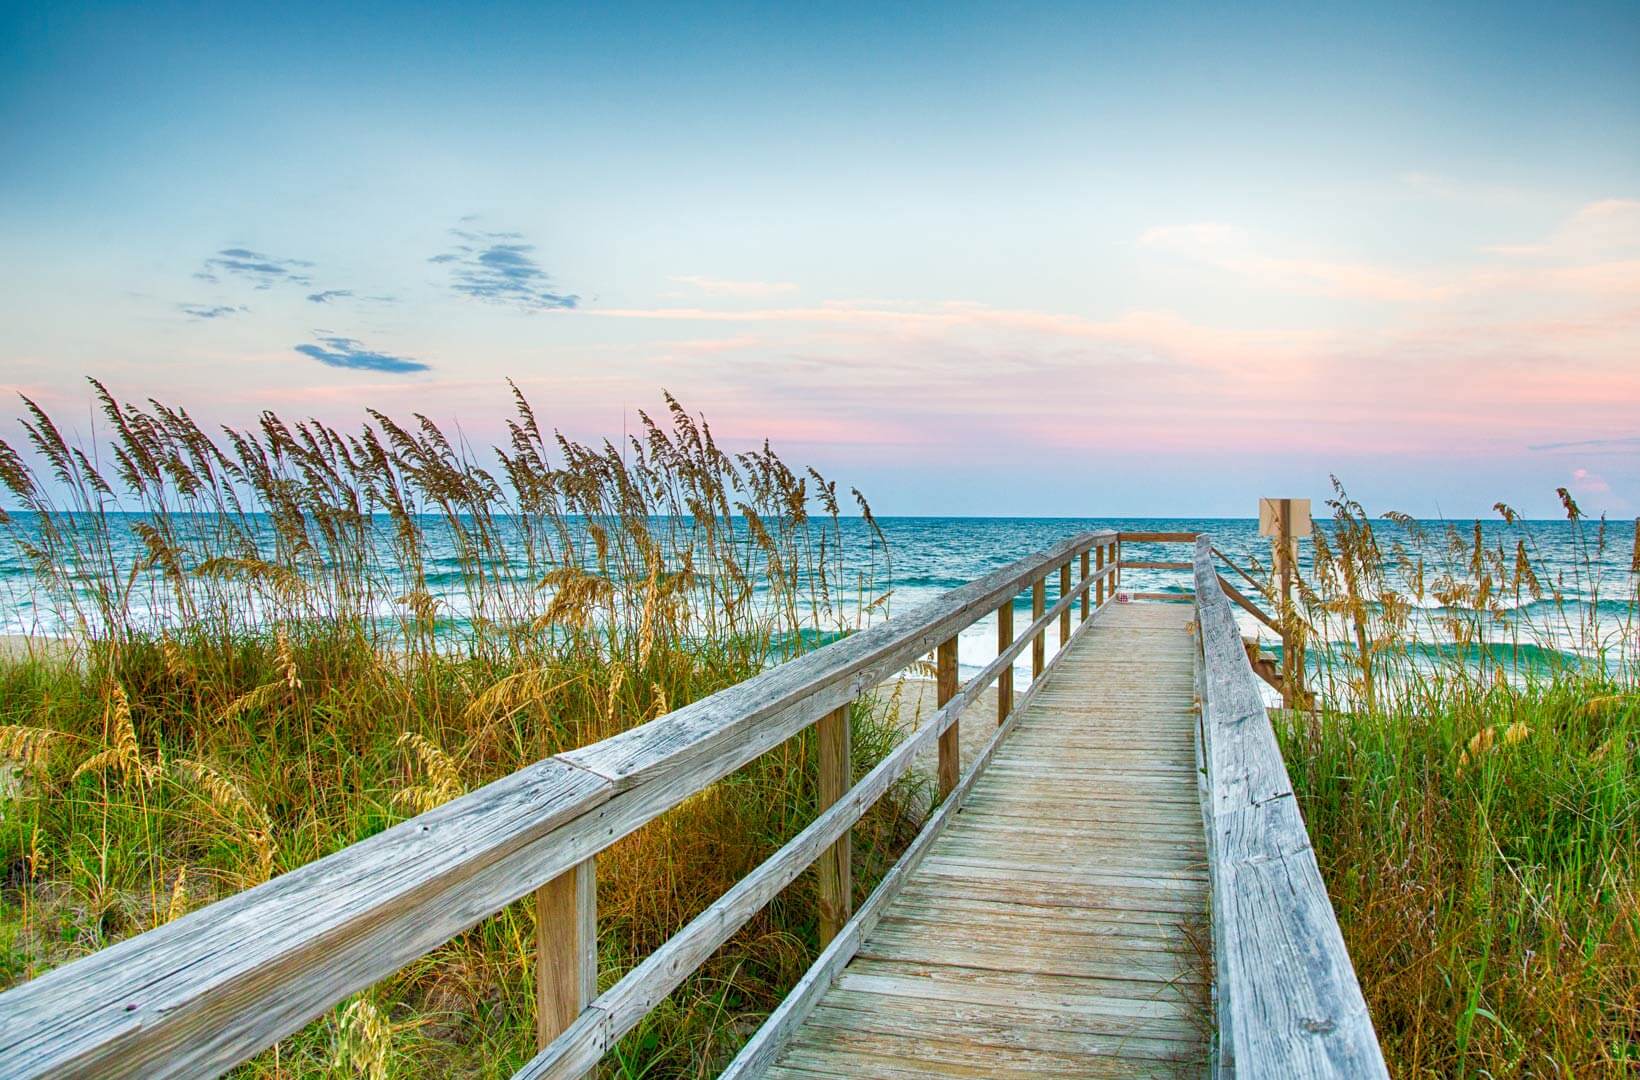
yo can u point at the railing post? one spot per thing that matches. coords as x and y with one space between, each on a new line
1039 657
1099 564
1116 561
834 868
1085 595
1065 614
1005 678
566 950
950 740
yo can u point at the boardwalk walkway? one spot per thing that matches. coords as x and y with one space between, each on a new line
1058 926
1054 917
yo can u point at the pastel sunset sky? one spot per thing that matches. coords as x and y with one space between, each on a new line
1013 259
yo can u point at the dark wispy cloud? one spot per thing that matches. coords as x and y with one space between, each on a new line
500 268
211 311
1618 442
326 296
344 352
262 271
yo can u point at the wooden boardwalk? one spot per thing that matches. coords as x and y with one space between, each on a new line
1058 926
1129 819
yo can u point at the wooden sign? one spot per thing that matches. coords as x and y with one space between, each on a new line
1269 516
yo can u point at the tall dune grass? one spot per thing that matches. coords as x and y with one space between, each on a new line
264 672
1470 777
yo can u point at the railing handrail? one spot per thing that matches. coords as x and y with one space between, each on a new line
1287 996
208 990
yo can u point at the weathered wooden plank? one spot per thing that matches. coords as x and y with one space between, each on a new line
1005 638
1002 1027
566 948
834 870
945 688
1159 537
1039 638
1288 993
1029 990
1154 564
1065 590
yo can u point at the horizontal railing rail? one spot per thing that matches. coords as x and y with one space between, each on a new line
208 990
1286 994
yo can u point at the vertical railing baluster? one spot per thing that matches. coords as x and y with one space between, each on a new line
1099 568
1039 656
1065 612
1005 677
1086 597
950 740
566 949
834 868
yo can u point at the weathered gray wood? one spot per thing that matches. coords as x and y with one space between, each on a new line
945 688
1289 1001
1005 638
1154 564
771 1038
833 870
1159 537
1039 641
566 949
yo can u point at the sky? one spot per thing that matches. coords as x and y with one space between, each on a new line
1077 260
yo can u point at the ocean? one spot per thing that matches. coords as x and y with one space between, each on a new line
925 556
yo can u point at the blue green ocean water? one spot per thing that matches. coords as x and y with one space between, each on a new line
1590 565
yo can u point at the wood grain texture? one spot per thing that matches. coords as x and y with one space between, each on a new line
1039 642
1052 926
1159 537
1065 590
833 870
1005 638
950 763
1289 1003
566 949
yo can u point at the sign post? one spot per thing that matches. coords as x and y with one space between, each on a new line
1284 521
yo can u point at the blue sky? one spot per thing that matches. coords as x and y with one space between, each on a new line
1033 259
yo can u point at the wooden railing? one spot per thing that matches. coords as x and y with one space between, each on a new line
1287 999
215 987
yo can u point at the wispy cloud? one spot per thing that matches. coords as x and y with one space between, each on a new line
262 271
1618 442
1232 249
327 295
211 311
723 287
344 352
1607 227
500 268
